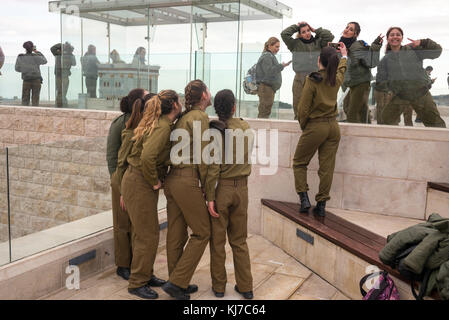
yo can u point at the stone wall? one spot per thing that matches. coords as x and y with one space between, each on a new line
54 183
58 171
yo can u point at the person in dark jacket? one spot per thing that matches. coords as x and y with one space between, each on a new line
361 58
29 65
320 131
2 59
305 50
401 72
90 70
268 75
64 60
121 225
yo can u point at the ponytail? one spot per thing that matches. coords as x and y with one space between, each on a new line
155 107
270 42
330 60
138 109
223 103
193 93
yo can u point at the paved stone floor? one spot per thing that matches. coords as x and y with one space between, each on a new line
276 275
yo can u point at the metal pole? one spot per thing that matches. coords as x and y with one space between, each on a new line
237 85
9 207
109 42
191 45
204 50
81 54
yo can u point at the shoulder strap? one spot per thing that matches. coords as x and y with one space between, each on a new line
423 287
365 278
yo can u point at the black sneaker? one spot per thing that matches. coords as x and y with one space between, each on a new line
144 292
246 295
156 282
175 292
124 272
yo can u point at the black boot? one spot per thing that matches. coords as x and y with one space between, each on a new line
144 292
156 282
320 208
123 272
175 292
305 203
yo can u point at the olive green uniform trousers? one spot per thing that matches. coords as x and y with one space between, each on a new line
186 207
121 227
355 104
232 206
266 100
382 99
322 134
31 89
298 84
62 87
424 107
141 204
91 85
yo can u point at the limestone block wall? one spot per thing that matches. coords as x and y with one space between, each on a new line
58 171
53 184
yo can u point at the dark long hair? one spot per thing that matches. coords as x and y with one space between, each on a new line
157 106
138 110
127 102
388 33
357 28
330 60
224 101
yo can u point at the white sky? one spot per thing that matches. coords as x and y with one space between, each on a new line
22 20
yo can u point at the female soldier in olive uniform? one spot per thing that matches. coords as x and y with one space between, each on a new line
305 51
320 130
231 201
268 75
186 206
140 188
120 220
361 58
401 71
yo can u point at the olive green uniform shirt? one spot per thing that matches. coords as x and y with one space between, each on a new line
195 147
318 98
115 140
151 153
305 55
234 169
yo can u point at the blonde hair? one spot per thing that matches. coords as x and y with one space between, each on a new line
155 107
270 42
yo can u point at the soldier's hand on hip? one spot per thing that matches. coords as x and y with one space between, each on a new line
211 208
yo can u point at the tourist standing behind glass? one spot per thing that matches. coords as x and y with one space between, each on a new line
148 164
139 57
29 65
64 60
268 76
401 72
121 225
320 131
90 64
186 205
227 196
305 51
361 58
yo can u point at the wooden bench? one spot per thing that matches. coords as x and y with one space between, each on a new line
360 242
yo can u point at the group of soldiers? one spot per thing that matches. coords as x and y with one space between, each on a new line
401 85
209 199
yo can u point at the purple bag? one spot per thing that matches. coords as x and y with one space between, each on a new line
384 289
